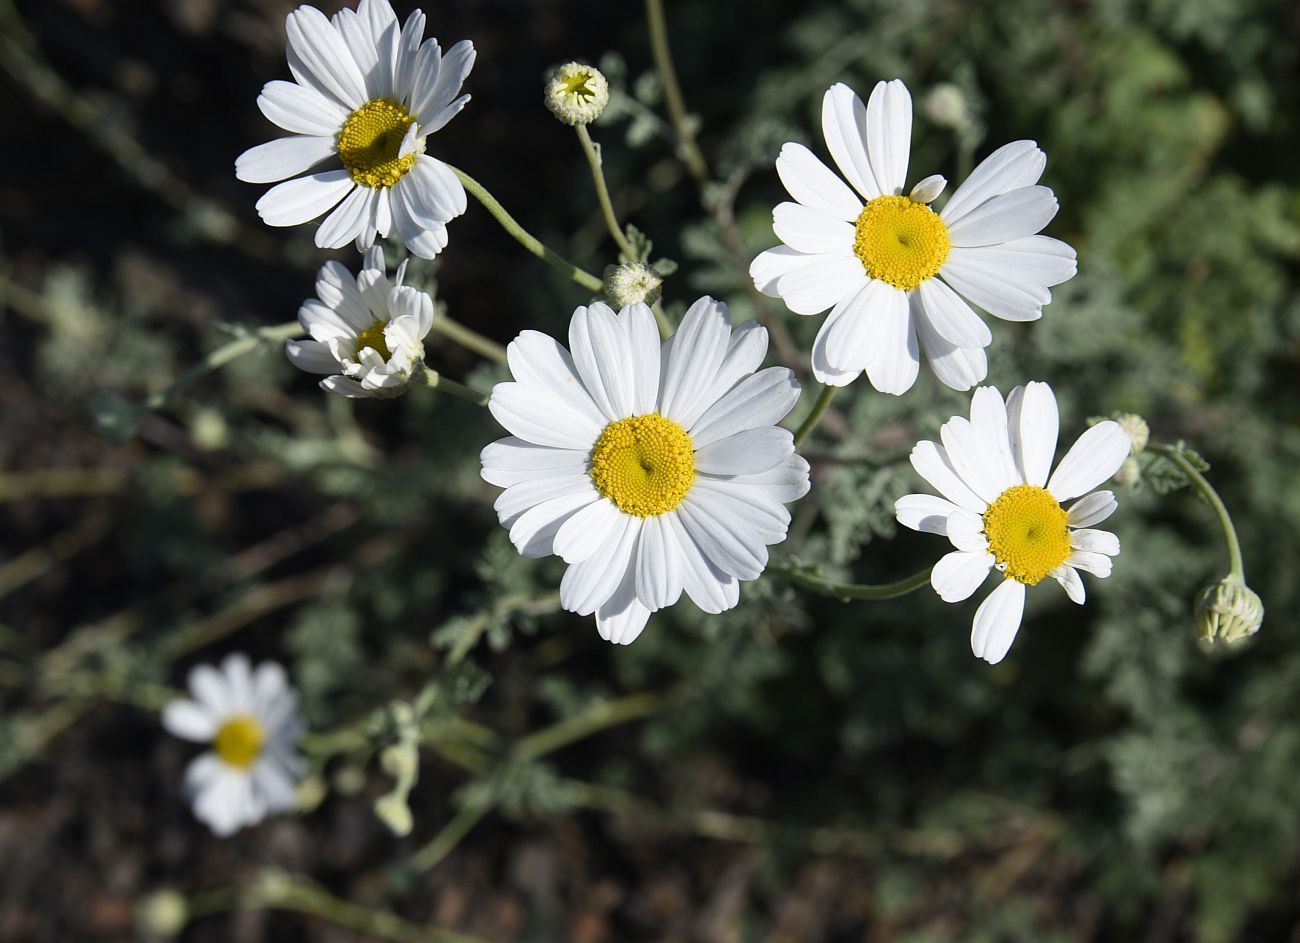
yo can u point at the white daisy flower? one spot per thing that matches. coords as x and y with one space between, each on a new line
366 95
251 719
894 272
1002 511
650 469
366 331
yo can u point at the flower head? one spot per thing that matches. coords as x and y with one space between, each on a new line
577 93
651 469
366 94
250 717
897 275
1228 611
632 283
367 332
1003 512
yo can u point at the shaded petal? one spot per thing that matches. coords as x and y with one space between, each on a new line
659 564
348 220
771 264
511 460
750 452
951 317
538 415
966 531
1034 423
1092 509
282 158
321 51
1095 541
533 532
924 512
804 229
889 134
537 359
958 574
844 124
997 620
814 185
1010 216
190 721
761 399
1071 582
312 356
897 361
1098 564
591 530
708 587
957 367
588 585
304 198
301 109
1010 167
812 288
693 360
932 463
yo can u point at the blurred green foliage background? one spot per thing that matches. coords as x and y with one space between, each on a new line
797 769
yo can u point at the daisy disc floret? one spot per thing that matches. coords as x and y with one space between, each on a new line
250 718
365 96
367 332
898 277
1003 512
651 468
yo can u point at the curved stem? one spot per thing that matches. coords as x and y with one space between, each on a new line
1175 454
469 338
690 151
847 591
248 342
819 409
591 150
525 238
436 381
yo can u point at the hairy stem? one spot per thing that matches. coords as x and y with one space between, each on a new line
469 338
1174 453
819 409
849 591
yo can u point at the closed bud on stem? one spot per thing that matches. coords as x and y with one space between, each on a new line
1228 611
162 915
946 106
576 93
1138 430
632 283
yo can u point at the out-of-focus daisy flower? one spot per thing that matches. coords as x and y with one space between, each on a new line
250 717
1002 511
894 272
366 331
365 94
650 468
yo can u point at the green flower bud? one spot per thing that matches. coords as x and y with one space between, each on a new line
631 283
576 93
946 106
1228 611
162 914
393 811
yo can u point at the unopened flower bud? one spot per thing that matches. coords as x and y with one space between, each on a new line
1228 611
946 106
1130 473
393 811
632 283
576 93
163 914
1138 431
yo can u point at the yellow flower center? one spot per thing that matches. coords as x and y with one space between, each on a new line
370 141
577 86
1027 533
373 336
900 241
239 741
644 464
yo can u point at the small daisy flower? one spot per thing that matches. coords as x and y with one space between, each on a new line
1002 511
893 271
366 331
651 469
250 716
365 94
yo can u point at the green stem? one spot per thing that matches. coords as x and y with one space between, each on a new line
847 591
218 358
436 381
446 840
591 150
1174 453
690 151
819 409
590 721
470 339
524 238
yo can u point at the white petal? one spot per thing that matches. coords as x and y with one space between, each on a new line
709 588
761 399
770 265
622 621
589 531
304 198
301 109
1010 167
932 463
780 485
1070 581
538 415
190 721
691 364
1010 216
345 386
928 190
659 564
958 574
814 185
348 220
951 317
208 686
1092 509
1095 457
966 531
239 682
812 288
750 452
1012 280
895 364
603 359
1034 433
889 134
312 356
641 341
321 51
997 620
806 230
856 327
1095 541
973 458
511 460
924 512
529 493
440 193
586 586
533 532
456 65
844 124
988 418
1098 564
745 352
537 359
282 158
727 539
957 367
